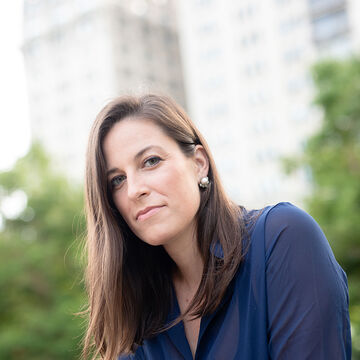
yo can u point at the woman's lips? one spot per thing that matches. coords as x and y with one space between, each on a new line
148 213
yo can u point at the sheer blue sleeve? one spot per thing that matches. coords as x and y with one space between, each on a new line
307 292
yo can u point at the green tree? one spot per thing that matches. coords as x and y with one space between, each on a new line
332 158
40 275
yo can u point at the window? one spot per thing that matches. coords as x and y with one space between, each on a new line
290 24
330 26
203 2
31 8
292 55
250 39
217 111
299 114
207 29
247 12
210 54
255 68
297 83
319 6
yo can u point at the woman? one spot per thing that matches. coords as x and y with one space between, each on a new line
176 270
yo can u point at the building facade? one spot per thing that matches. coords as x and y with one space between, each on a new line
248 84
80 54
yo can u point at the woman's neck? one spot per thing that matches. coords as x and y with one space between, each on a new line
189 263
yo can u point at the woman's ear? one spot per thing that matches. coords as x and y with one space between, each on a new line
201 162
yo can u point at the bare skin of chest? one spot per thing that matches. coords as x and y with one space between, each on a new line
192 327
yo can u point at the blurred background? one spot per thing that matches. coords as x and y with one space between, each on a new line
274 85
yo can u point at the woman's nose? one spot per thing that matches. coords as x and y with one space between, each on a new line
136 187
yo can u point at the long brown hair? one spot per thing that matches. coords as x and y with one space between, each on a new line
129 282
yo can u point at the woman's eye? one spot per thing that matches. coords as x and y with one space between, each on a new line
154 160
117 180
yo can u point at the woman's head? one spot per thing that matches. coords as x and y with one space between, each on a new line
145 159
145 152
153 183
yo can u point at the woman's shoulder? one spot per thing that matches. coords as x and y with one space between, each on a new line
285 220
304 284
279 214
288 212
282 210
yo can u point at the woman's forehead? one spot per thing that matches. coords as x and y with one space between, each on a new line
130 138
134 131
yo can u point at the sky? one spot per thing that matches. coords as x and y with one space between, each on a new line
14 120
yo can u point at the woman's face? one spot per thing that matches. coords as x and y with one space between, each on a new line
154 185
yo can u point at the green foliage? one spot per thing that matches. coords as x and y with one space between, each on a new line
39 272
333 157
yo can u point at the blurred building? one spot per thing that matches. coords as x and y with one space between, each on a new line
248 85
81 53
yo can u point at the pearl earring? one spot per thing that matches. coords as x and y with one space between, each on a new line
204 182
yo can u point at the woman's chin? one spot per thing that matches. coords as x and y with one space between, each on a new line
154 235
155 240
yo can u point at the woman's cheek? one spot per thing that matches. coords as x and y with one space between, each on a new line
121 205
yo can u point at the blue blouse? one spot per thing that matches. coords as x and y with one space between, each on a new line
288 300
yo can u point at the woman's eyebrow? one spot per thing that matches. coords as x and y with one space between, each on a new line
136 157
144 150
